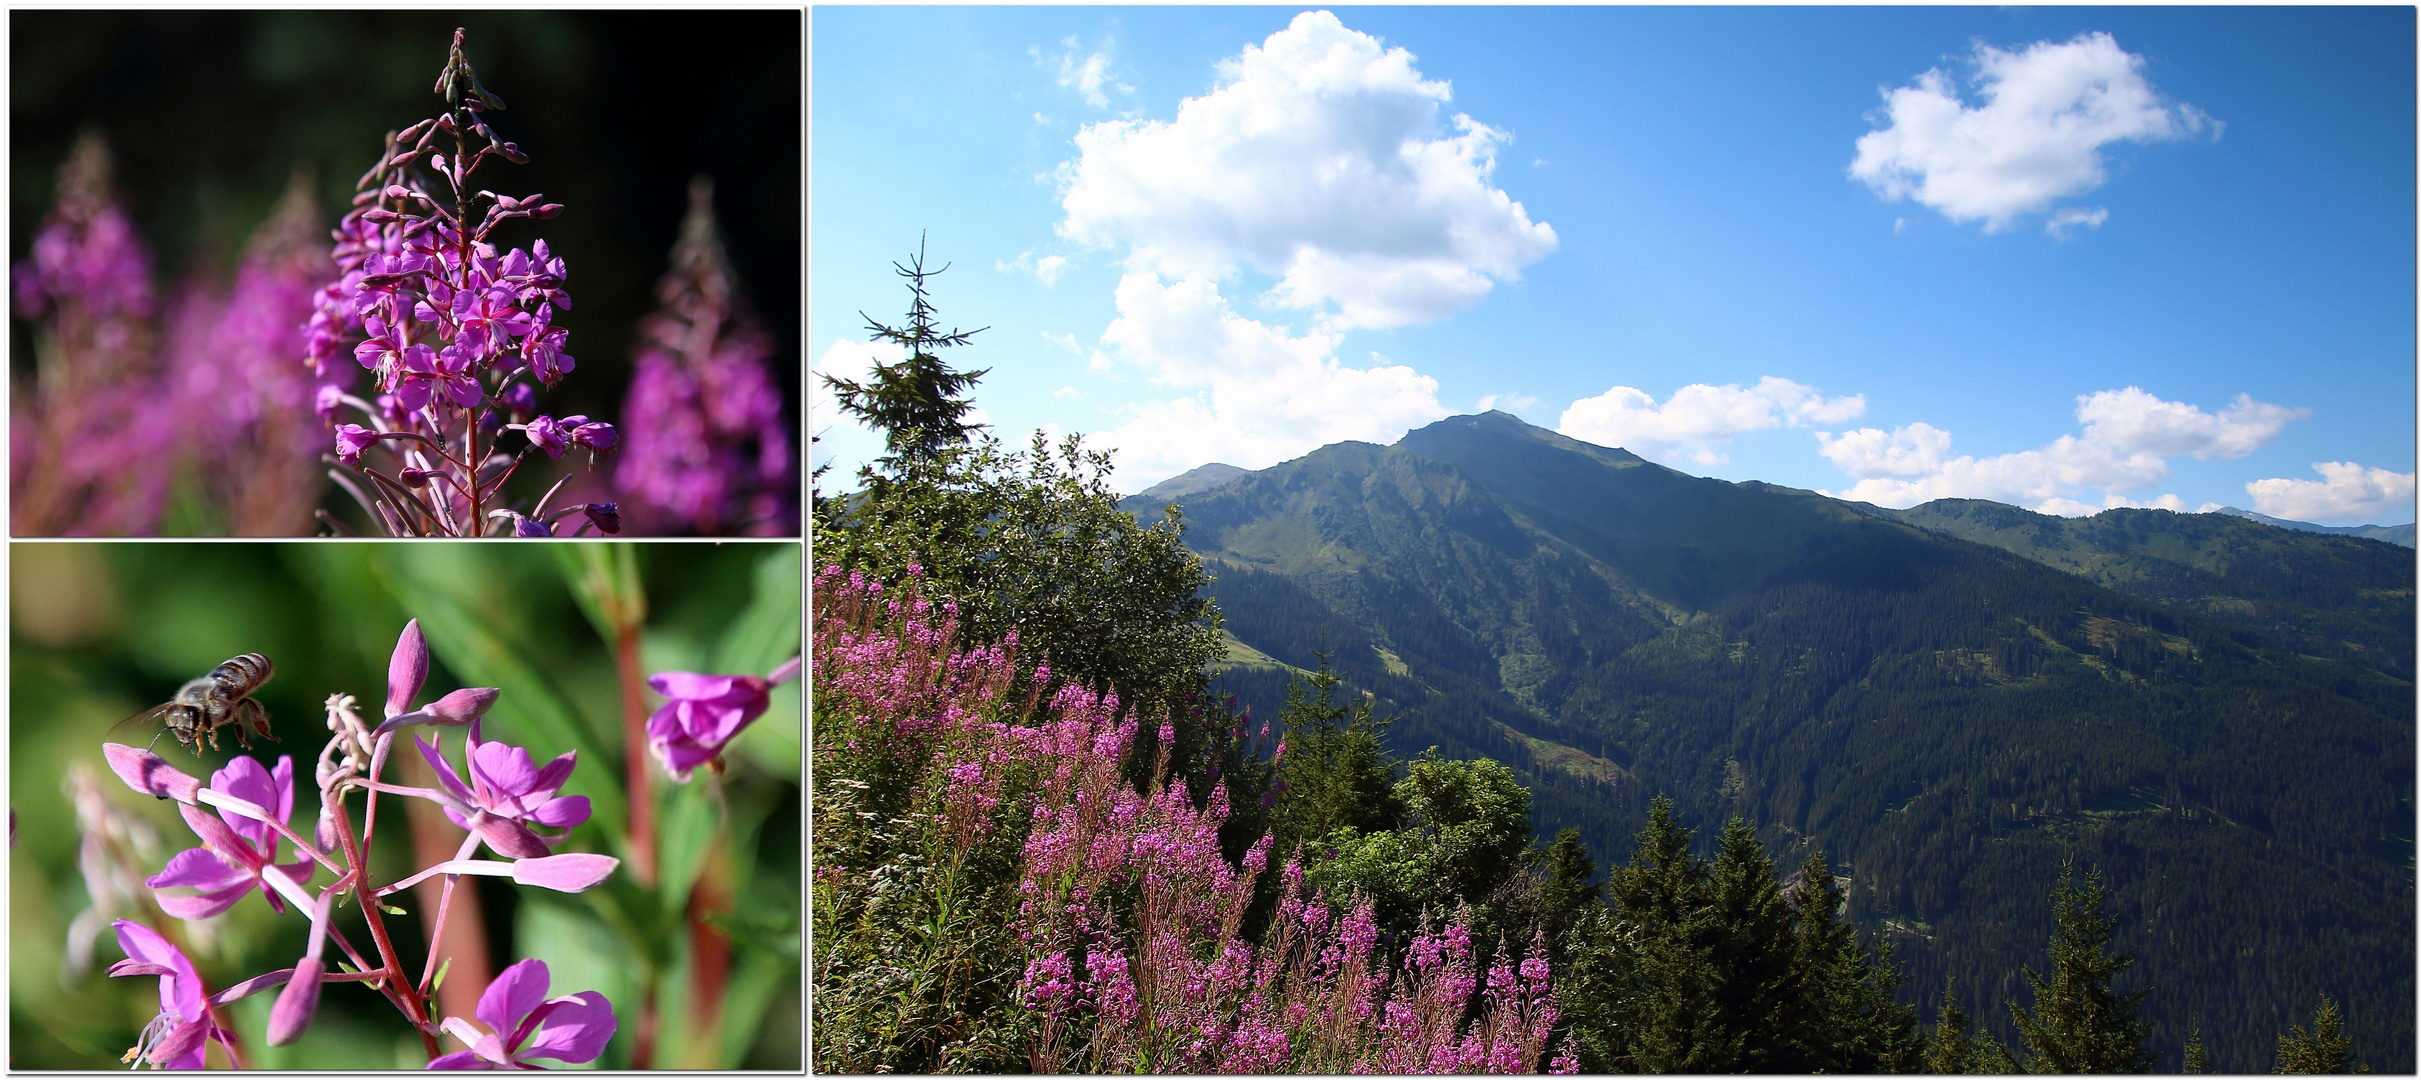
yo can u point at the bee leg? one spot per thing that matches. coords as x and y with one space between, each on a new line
252 717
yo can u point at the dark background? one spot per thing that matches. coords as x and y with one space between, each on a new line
207 113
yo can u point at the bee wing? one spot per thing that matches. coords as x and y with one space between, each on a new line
153 713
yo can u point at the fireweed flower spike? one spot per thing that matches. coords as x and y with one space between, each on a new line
453 330
705 712
238 853
709 451
524 1023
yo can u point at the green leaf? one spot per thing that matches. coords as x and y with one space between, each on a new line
604 581
683 835
767 632
755 981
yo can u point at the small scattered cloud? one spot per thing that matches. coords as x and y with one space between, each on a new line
1046 269
1507 402
1067 392
1249 393
1322 159
2346 492
2045 113
1698 418
2127 438
2069 217
1087 73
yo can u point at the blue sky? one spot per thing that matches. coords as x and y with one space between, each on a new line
2065 258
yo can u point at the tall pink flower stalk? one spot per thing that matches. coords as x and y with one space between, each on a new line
88 438
244 406
1129 918
708 450
458 333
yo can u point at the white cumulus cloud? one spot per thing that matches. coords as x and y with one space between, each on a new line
844 359
1698 417
2347 492
2045 113
2127 438
1321 159
1253 394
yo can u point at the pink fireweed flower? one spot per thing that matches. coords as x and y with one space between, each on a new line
506 793
704 713
177 1037
238 852
352 440
524 1023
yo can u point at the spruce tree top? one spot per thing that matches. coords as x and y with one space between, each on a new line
919 403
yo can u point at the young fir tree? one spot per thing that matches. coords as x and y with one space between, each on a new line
1337 772
1748 939
1843 1017
2198 1060
2078 1025
1953 1052
2324 1050
918 402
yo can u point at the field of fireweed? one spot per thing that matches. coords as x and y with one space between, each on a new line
411 372
501 806
951 791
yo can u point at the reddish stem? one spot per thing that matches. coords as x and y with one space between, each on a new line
634 760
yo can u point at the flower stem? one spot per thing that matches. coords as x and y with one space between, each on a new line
356 856
634 757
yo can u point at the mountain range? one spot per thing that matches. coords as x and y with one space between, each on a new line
1949 700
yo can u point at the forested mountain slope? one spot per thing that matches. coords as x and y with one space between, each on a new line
1946 719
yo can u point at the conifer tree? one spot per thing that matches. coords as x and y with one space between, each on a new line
918 402
1749 944
2198 1060
1842 1016
1337 769
2078 1025
2324 1050
1947 1053
1568 891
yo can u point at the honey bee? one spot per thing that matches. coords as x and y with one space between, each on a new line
219 699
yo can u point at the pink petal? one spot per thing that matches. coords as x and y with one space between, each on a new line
409 667
445 773
183 1043
149 773
296 1003
507 769
690 686
512 995
461 1059
222 840
573 872
200 868
507 837
562 813
576 1028
204 905
550 779
462 706
140 967
282 778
